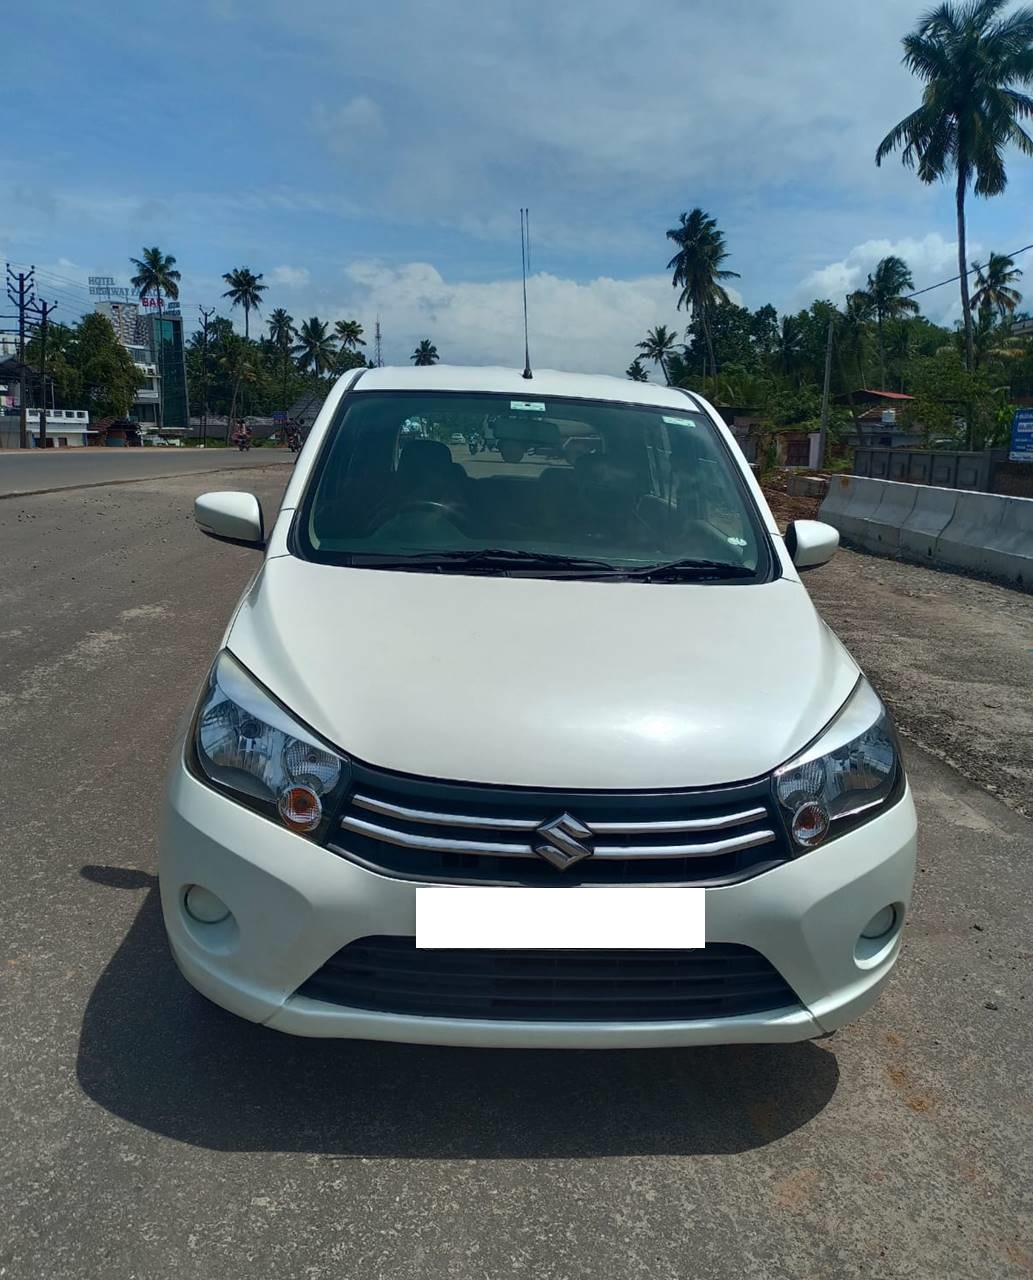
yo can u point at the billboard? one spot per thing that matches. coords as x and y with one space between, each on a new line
169 306
107 287
1021 436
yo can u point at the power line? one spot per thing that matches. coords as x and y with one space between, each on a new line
954 279
68 285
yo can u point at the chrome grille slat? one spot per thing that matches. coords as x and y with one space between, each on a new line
680 824
412 840
435 831
439 844
708 850
435 819
430 817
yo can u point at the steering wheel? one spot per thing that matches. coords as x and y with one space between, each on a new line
427 505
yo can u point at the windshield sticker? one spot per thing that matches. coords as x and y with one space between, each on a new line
679 422
528 406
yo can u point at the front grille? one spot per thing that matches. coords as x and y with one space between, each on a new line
389 975
420 829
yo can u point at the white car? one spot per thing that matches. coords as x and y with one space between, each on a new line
544 752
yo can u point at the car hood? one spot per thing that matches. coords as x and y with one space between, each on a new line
545 683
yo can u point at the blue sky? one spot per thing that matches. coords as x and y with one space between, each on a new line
372 158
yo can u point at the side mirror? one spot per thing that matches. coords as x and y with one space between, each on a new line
236 517
811 543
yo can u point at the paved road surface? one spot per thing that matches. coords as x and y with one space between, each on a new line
143 1133
33 470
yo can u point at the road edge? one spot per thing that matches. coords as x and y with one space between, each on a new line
169 475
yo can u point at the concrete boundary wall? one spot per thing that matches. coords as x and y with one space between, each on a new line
982 533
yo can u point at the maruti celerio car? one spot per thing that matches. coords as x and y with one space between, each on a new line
539 743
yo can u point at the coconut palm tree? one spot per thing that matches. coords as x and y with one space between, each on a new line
790 348
156 277
994 282
425 353
239 363
245 290
697 269
972 59
315 348
281 328
854 332
659 346
349 334
636 371
281 335
898 347
887 284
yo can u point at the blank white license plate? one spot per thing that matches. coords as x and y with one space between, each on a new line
577 918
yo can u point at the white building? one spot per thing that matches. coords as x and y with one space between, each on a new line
66 428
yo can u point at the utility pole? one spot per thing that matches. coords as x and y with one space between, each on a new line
20 292
205 318
43 310
823 433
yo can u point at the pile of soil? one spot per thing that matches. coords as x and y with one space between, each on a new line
786 509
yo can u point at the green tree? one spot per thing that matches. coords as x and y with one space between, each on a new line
659 345
955 403
107 374
971 58
245 290
156 277
281 336
697 269
854 325
64 385
426 353
887 284
315 348
238 359
994 285
281 328
349 334
790 348
636 371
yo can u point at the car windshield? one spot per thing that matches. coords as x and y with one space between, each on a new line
468 482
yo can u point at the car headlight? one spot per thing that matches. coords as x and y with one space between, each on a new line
844 776
247 744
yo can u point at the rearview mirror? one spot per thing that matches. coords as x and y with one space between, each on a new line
235 517
811 543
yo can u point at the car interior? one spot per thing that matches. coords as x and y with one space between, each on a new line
621 481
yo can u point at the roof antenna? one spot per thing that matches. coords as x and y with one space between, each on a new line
525 258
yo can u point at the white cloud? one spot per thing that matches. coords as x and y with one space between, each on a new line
290 277
587 107
931 259
590 326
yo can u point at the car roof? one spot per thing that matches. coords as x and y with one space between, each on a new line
545 382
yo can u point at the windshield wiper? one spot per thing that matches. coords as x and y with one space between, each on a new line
485 559
689 570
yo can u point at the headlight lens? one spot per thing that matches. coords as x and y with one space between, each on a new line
853 768
248 744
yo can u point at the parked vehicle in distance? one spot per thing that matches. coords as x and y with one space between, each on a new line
533 751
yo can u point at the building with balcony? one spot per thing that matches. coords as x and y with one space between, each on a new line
156 347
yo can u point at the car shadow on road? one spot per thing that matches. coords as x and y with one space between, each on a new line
160 1056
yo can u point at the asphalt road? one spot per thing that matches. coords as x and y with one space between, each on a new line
145 1134
39 470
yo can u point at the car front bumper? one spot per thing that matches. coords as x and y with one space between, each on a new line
294 904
